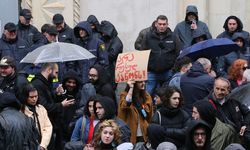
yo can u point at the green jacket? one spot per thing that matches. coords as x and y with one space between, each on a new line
222 135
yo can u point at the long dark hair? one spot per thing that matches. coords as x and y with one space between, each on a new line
169 91
138 95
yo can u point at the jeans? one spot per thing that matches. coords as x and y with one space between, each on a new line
156 80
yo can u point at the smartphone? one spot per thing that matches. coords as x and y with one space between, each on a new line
70 97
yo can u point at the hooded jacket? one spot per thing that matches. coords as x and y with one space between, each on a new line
185 33
195 124
17 130
112 42
93 21
234 146
17 49
102 85
196 79
225 61
110 113
93 45
222 134
229 35
198 33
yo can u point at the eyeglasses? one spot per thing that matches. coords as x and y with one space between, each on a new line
244 68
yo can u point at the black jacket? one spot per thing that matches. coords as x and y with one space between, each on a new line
110 113
93 21
112 42
48 99
17 130
195 85
66 35
17 49
164 50
30 34
189 137
232 111
174 122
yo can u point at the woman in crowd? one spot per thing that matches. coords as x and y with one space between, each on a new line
108 136
37 112
136 109
169 123
235 72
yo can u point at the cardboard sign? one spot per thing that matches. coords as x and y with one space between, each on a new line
132 65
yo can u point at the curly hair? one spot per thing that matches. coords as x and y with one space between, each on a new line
169 91
234 71
116 131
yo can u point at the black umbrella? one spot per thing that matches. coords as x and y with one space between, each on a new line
241 94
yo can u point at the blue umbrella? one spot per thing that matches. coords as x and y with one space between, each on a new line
210 48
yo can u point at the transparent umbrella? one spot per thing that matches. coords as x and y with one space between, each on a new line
57 52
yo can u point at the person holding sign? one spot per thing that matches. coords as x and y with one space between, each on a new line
136 109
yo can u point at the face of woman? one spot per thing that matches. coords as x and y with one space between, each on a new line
140 85
32 99
91 108
107 135
175 100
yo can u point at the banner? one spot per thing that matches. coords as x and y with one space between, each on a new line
132 65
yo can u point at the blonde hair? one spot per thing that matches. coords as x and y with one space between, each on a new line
115 128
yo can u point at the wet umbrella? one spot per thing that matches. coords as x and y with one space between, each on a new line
210 48
57 52
242 94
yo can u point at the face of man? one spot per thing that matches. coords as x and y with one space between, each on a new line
221 89
10 35
59 26
99 110
32 99
195 114
199 137
53 73
24 21
191 17
232 25
82 33
93 75
6 71
161 25
50 37
70 85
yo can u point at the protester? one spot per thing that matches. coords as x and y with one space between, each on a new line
38 113
108 136
222 134
113 46
140 43
235 72
226 61
11 45
198 137
136 109
169 124
185 29
164 47
86 40
181 66
104 108
233 24
230 111
27 31
95 26
47 97
17 130
197 79
12 80
166 146
160 92
66 34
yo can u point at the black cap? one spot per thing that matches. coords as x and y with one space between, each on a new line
58 19
10 27
52 30
26 13
7 61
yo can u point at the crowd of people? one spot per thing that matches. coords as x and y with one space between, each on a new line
184 104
